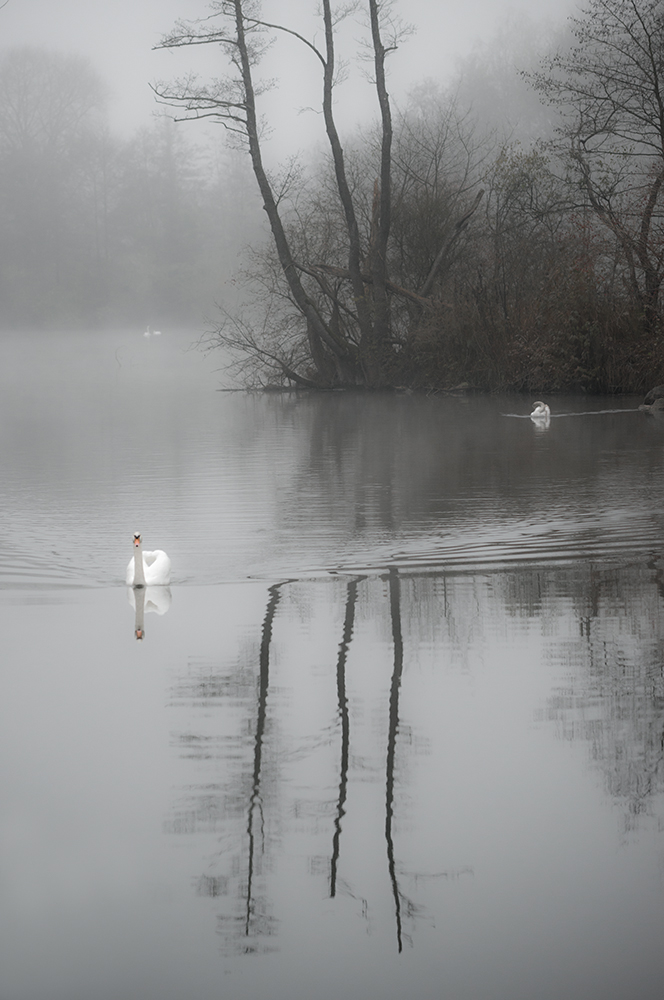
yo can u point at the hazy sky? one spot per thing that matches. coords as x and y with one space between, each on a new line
118 37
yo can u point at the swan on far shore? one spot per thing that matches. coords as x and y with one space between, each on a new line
540 410
148 569
654 401
654 395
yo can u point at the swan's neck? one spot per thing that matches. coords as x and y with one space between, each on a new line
139 572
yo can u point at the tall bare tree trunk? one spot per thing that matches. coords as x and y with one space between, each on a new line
376 346
326 350
362 304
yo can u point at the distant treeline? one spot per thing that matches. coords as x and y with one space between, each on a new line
96 229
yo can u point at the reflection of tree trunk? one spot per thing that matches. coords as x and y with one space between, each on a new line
255 803
342 701
397 639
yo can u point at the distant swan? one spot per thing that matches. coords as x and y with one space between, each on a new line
540 410
148 569
653 395
654 401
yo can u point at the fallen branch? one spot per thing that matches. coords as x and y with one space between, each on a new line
342 272
444 250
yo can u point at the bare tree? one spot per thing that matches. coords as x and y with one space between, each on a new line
346 302
237 27
609 90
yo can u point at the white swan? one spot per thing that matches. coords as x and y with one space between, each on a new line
540 410
148 569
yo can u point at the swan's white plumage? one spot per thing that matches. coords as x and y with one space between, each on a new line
156 567
540 410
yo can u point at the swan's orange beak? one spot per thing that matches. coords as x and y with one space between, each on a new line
139 633
137 539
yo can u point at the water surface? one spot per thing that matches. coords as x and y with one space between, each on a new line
398 726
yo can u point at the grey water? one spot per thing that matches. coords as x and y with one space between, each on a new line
396 728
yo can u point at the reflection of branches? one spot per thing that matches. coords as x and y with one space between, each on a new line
342 702
658 575
450 876
616 703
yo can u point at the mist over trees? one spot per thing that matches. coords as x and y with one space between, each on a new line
95 229
505 232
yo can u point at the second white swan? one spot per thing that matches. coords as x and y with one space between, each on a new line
148 569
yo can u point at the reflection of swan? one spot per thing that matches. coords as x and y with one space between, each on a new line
148 569
145 599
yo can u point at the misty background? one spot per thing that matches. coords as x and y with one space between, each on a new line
112 214
395 728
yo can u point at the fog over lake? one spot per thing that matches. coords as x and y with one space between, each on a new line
395 728
392 725
119 40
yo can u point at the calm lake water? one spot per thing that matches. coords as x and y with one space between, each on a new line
396 730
